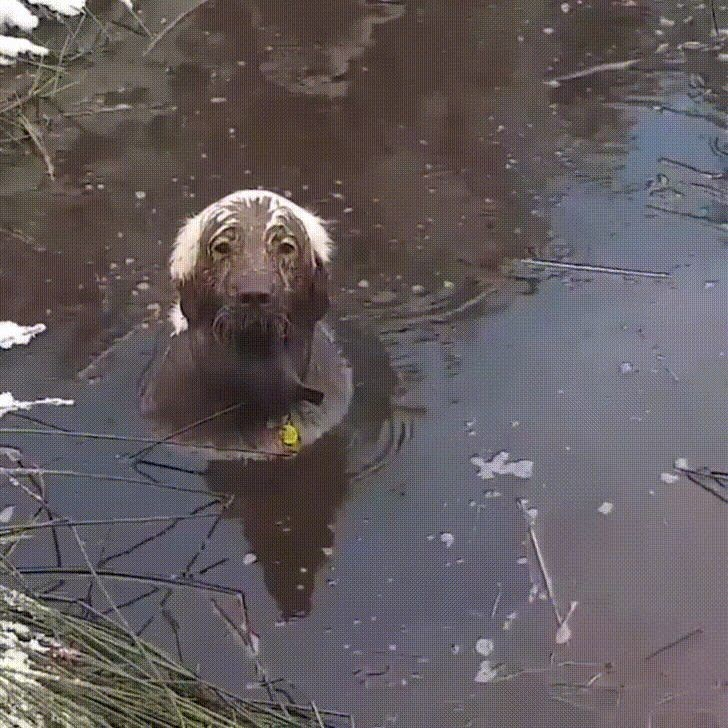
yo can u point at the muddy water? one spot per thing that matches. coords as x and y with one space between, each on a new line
439 141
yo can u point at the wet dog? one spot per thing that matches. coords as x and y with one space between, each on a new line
251 279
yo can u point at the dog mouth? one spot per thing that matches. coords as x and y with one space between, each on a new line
249 324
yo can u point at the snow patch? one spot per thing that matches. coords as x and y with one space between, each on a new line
606 508
12 333
8 403
13 14
62 7
499 465
11 48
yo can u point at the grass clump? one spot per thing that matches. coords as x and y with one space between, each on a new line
60 670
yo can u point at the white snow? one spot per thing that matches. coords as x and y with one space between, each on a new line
62 7
12 47
13 14
499 465
487 673
12 333
484 646
8 403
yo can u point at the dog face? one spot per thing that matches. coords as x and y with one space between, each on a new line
250 266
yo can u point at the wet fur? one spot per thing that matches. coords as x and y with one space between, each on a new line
230 351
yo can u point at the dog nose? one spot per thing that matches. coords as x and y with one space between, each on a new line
256 288
258 298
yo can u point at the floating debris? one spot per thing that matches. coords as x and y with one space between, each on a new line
626 368
486 673
249 558
606 508
669 478
593 268
12 334
484 646
8 403
448 539
563 633
499 465
509 620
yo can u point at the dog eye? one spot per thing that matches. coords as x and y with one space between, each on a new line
287 246
222 244
221 248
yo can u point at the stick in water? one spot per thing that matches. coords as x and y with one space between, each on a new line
593 268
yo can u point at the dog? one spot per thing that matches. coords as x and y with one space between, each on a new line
250 272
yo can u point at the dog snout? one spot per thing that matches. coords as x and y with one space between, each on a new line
255 299
255 289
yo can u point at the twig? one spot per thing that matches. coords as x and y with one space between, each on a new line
541 563
593 268
139 645
37 138
318 715
170 26
186 428
102 522
496 602
71 474
697 170
714 17
124 576
693 477
136 17
125 438
601 68
678 641
153 537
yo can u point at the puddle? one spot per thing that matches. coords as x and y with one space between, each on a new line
444 142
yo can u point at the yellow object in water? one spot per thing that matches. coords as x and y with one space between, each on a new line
290 436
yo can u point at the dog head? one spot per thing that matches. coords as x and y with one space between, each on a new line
248 267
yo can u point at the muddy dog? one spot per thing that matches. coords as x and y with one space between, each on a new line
250 273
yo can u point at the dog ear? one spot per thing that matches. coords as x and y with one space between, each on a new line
190 300
319 295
